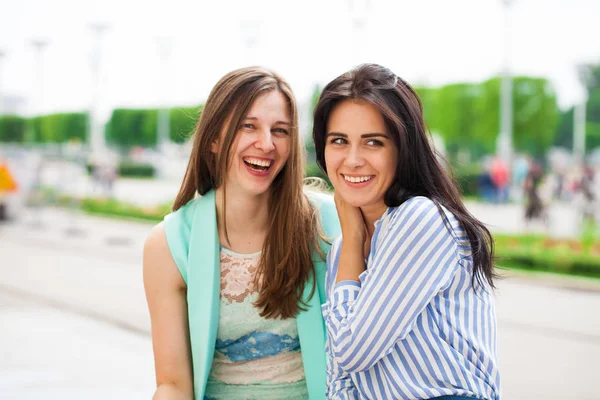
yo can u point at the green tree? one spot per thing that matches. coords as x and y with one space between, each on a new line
592 126
132 127
308 142
536 115
564 131
456 114
12 129
589 76
182 122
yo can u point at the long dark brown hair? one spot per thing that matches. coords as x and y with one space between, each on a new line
286 263
418 171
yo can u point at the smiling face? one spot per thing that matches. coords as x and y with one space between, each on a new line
261 147
360 155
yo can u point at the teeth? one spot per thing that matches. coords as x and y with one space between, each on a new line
357 179
258 162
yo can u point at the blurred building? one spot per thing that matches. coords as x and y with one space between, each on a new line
13 104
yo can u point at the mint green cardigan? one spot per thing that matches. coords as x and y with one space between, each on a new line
193 240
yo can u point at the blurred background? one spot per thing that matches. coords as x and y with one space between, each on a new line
98 100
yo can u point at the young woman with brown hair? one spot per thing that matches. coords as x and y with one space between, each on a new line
234 277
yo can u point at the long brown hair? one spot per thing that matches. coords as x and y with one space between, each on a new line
418 171
286 263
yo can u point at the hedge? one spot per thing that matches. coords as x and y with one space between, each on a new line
12 129
131 169
138 127
539 253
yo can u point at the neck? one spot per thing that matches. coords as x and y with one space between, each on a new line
247 217
372 214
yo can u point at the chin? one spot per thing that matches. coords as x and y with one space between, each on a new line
355 201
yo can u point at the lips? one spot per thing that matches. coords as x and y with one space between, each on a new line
358 178
258 164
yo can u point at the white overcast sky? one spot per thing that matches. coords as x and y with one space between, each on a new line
309 41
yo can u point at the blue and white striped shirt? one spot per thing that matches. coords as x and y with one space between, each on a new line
413 327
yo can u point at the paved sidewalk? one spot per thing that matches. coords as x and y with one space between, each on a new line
48 354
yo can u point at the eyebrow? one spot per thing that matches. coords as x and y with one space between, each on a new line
364 135
276 122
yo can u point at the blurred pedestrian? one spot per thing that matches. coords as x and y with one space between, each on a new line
519 174
588 197
501 177
234 275
534 207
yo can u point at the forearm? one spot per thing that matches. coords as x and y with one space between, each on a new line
171 391
351 263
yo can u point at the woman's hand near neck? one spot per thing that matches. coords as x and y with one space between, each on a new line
247 220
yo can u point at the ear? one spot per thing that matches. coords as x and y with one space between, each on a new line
215 146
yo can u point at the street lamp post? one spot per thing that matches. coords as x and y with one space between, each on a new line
250 31
579 117
37 92
2 55
359 11
95 135
505 138
164 52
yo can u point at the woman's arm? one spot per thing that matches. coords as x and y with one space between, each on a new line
415 259
166 297
339 383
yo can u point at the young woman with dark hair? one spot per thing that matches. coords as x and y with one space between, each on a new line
410 311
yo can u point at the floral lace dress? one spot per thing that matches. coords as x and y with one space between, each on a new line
255 358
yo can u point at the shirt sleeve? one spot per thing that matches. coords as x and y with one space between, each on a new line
414 260
340 385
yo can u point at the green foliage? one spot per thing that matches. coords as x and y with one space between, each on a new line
564 131
138 170
52 128
467 178
12 129
536 115
592 127
428 98
130 127
574 257
131 169
458 118
315 97
182 122
589 75
138 127
467 115
115 208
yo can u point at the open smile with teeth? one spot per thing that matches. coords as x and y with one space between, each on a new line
358 179
258 164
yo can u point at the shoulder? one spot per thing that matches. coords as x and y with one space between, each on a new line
413 207
182 217
176 230
156 240
158 262
421 213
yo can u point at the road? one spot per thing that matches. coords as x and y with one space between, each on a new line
75 324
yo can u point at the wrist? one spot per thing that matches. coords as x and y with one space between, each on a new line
354 237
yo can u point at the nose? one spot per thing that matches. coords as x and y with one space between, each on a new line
354 158
264 141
